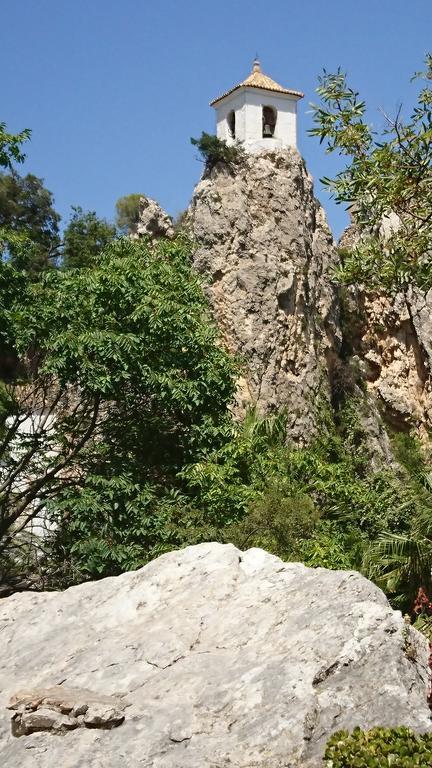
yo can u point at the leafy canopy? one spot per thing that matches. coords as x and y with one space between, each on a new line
28 222
387 182
127 209
85 237
10 146
122 364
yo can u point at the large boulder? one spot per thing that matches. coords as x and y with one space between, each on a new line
210 657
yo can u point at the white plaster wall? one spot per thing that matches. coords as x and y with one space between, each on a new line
235 102
248 104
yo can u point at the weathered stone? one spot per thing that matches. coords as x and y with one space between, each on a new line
58 709
153 221
265 244
392 335
45 719
99 716
220 658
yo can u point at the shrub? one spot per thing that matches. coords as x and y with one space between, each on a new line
214 150
379 748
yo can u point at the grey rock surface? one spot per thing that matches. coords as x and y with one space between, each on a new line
220 659
59 708
153 221
392 336
264 242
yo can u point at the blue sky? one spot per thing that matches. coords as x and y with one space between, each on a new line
114 89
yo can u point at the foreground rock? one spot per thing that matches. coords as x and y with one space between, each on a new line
264 241
214 657
59 708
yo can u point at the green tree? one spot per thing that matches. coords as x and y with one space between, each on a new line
388 177
10 146
85 237
121 379
127 209
28 222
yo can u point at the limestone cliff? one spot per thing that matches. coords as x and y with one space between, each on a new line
264 242
267 254
391 336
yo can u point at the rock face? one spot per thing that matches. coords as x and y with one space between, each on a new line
392 337
153 221
214 657
264 243
396 346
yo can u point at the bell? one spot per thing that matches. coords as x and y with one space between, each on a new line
268 133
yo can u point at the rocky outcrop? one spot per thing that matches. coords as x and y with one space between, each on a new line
214 657
396 347
264 243
153 221
391 336
59 709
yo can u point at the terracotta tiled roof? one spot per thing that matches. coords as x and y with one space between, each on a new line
258 79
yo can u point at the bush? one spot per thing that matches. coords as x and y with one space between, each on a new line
214 150
319 504
379 748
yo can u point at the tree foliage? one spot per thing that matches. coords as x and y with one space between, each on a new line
119 371
321 504
127 209
11 146
29 224
84 238
214 150
387 182
401 561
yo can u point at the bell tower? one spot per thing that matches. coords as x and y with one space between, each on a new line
258 112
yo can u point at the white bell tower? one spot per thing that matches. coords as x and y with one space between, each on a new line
258 112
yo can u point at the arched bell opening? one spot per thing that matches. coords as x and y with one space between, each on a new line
269 117
231 124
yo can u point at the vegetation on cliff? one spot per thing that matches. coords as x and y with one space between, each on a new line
387 183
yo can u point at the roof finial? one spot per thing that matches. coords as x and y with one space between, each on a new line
256 64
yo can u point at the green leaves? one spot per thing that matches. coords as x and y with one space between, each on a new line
29 233
127 209
214 150
126 358
84 238
379 748
388 184
10 146
339 119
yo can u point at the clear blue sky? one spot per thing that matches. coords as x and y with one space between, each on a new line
113 89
